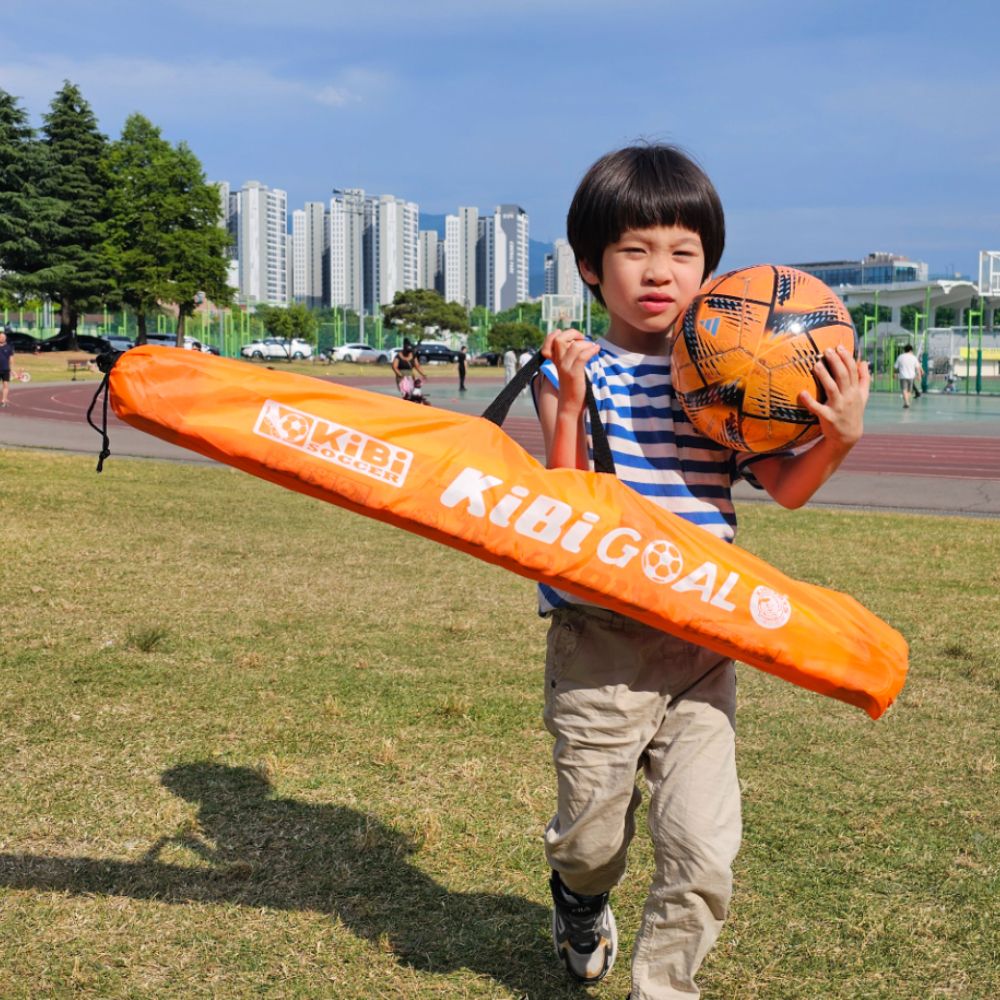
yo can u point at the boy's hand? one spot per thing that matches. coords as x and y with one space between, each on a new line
570 351
846 383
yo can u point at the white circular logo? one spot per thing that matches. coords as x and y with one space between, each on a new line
769 608
661 561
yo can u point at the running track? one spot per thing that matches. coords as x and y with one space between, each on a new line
913 454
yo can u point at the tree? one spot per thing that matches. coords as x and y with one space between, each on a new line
514 335
194 243
71 268
858 314
523 312
277 322
305 324
295 321
599 319
413 311
19 201
137 170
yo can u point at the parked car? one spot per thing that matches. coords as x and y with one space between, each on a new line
491 358
170 340
275 347
23 343
190 344
84 342
120 343
162 339
434 350
362 354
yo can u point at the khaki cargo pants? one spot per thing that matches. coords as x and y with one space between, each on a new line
620 696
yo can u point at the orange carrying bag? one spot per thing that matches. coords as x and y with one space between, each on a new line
462 481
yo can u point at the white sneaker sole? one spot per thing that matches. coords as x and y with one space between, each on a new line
609 962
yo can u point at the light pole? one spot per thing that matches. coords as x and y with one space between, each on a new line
974 314
869 320
917 318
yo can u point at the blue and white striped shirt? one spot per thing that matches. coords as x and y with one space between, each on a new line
656 450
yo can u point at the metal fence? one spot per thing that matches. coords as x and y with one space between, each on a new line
954 359
961 359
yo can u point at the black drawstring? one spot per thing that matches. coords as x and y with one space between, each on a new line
496 412
105 362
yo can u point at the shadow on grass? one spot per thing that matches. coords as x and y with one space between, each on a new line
263 851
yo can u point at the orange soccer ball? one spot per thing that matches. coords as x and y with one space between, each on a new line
746 347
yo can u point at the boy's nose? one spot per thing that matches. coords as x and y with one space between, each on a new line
658 271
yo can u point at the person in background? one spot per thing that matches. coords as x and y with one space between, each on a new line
523 358
6 353
463 357
908 369
509 365
405 363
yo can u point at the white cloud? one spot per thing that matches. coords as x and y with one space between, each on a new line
335 97
160 88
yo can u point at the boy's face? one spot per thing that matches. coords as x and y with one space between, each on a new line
649 278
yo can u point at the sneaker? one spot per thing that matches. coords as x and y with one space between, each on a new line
583 932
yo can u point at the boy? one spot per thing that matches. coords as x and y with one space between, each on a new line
647 229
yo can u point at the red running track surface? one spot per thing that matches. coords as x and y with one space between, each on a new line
939 455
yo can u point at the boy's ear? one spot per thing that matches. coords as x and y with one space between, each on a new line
588 274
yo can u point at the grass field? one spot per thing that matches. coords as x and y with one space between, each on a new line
256 746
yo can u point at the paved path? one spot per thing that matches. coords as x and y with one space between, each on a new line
941 456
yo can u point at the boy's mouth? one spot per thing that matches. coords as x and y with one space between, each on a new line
655 302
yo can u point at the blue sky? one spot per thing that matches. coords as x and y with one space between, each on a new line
830 130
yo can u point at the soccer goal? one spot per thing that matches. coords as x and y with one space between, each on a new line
559 311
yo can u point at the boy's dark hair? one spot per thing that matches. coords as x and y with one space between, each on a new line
641 186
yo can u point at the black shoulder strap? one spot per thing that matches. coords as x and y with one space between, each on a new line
497 411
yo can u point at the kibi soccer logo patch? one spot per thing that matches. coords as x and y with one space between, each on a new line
769 608
335 443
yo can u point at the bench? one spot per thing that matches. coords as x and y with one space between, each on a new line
77 366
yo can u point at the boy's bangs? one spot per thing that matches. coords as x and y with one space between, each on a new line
652 200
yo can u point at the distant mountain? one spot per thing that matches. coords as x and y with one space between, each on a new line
536 253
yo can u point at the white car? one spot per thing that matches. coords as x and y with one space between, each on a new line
362 354
191 344
274 347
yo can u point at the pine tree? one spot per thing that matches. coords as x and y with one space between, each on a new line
18 195
73 269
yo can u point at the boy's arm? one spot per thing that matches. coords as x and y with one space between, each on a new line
560 411
793 479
